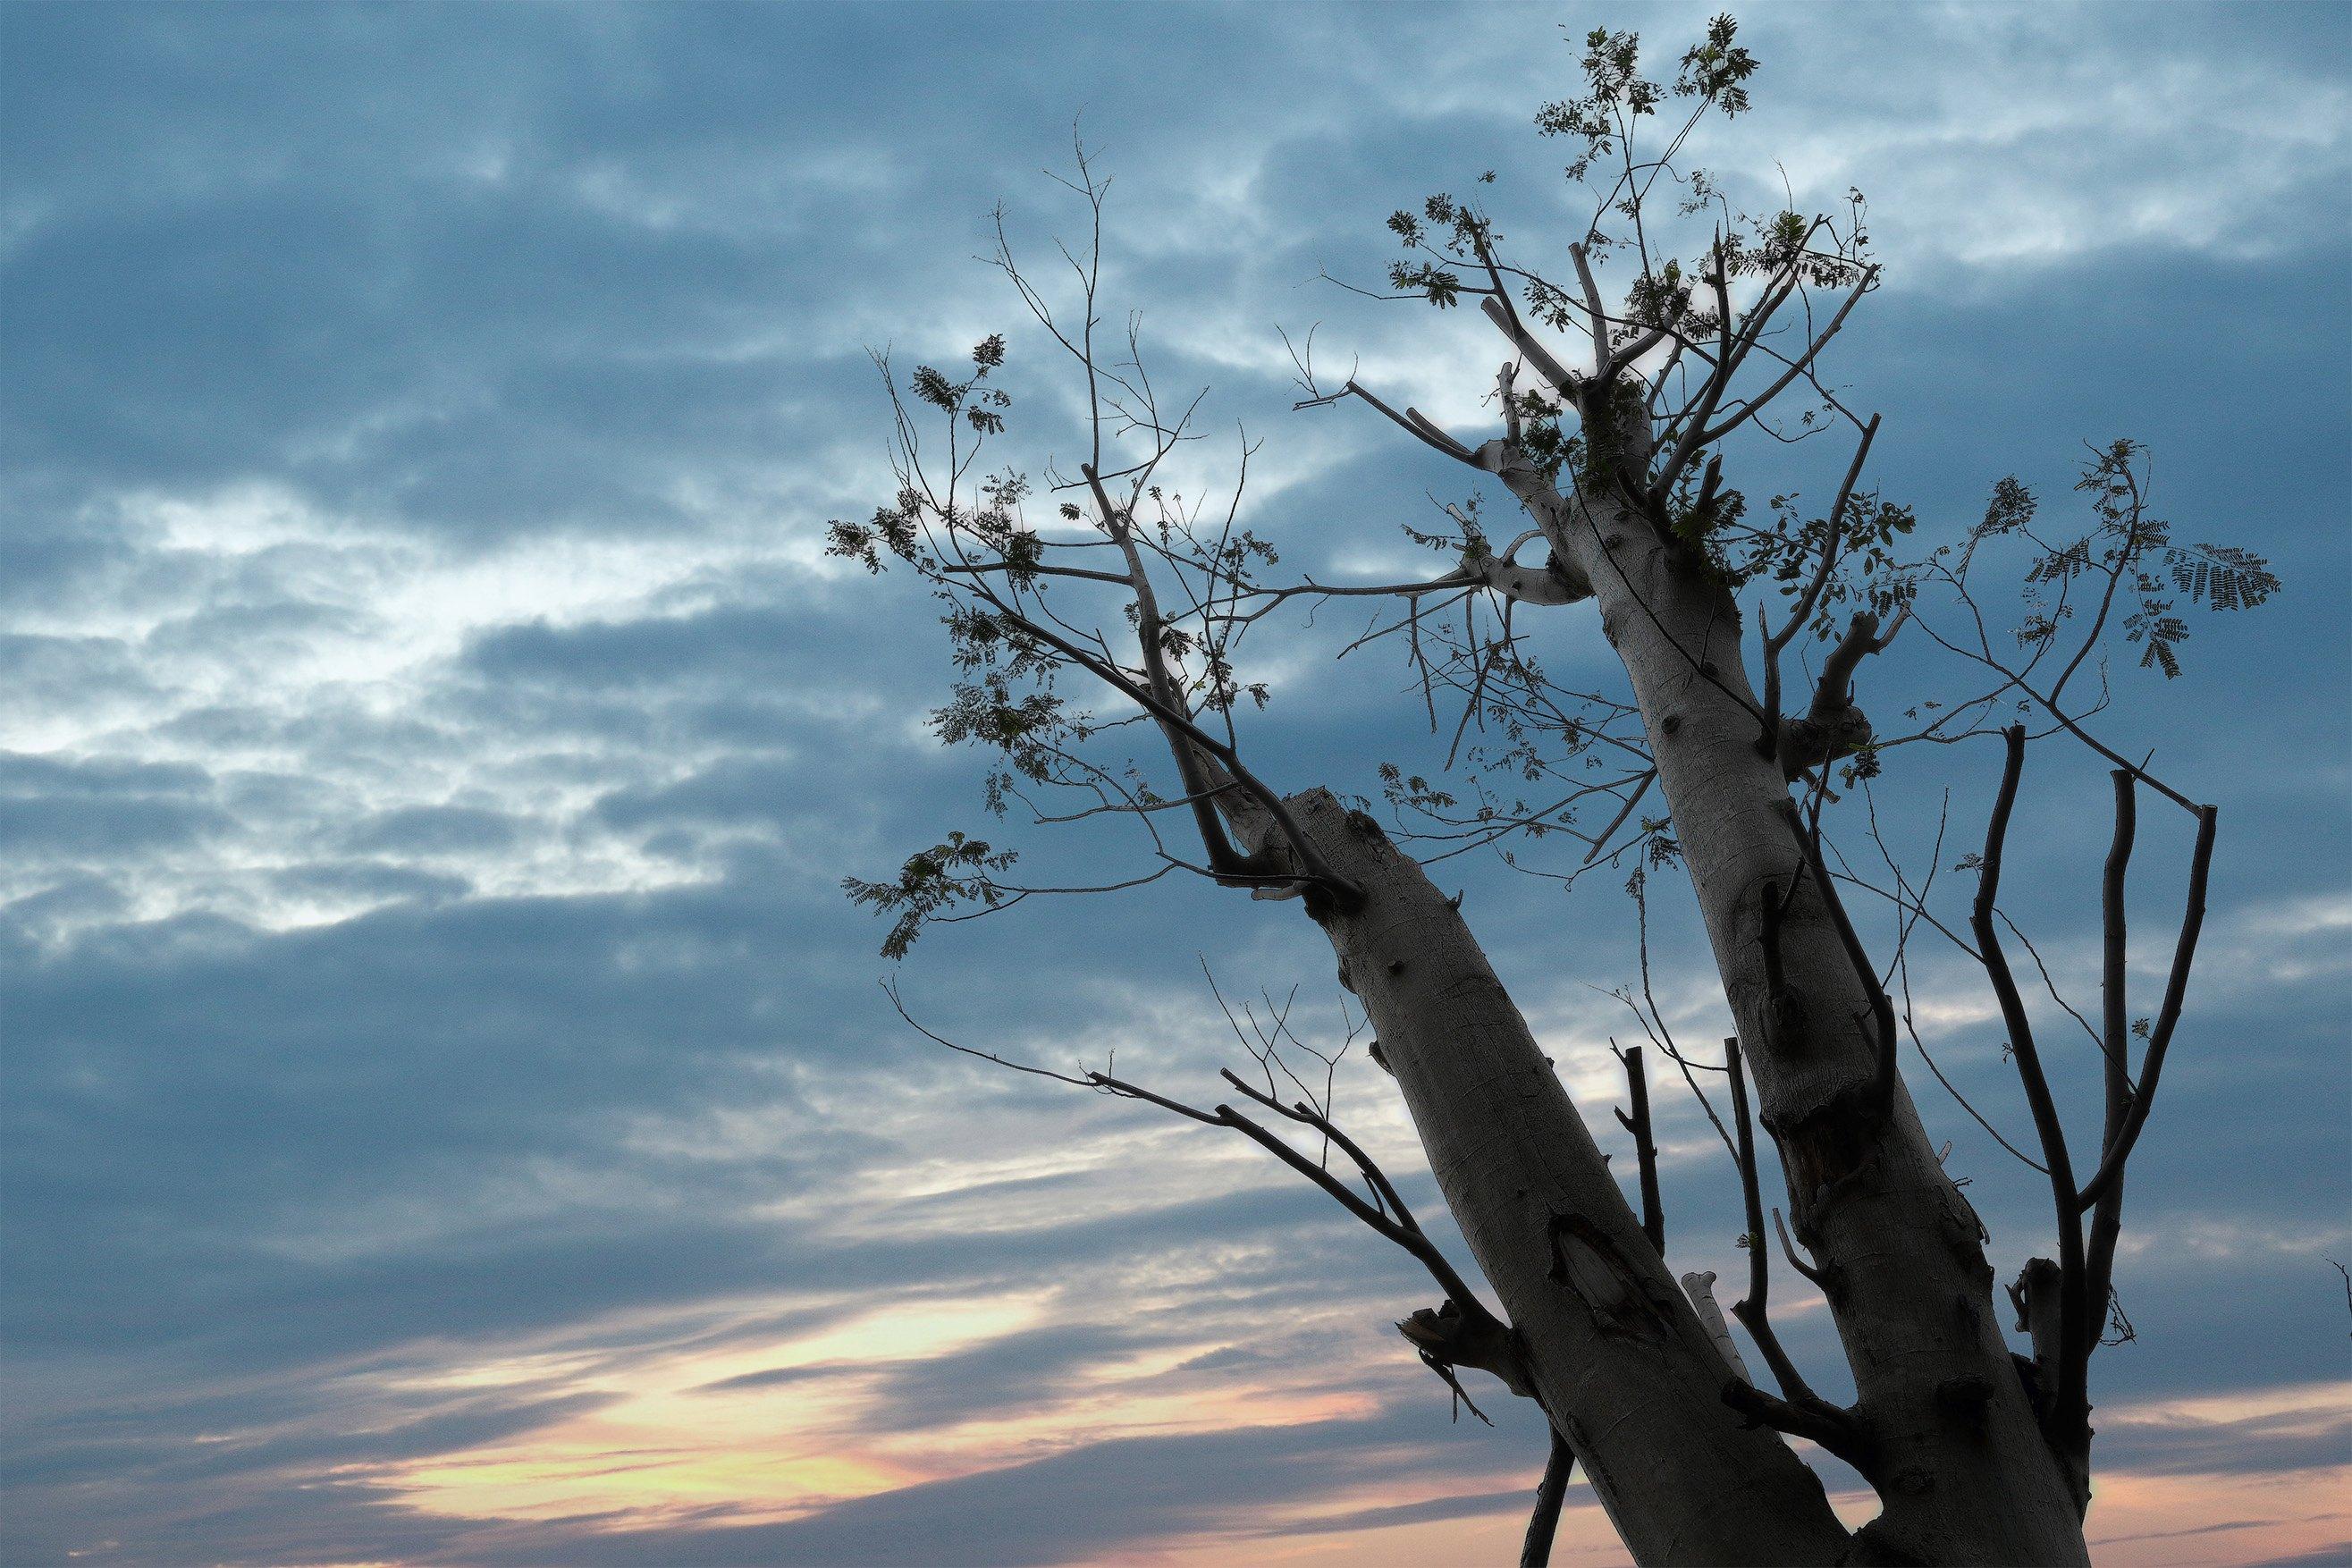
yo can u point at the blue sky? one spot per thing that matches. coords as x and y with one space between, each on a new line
449 1111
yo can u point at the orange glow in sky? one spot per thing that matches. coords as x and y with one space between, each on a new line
685 1439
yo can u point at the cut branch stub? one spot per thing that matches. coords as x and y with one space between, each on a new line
1699 1286
1447 1333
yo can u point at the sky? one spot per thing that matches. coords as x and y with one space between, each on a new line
450 1110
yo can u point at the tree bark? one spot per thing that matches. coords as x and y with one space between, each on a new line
1955 1448
1616 1355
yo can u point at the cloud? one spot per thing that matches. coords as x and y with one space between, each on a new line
2332 1555
1141 1489
1469 1505
2285 1429
433 734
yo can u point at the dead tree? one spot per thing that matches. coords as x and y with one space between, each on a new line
1618 409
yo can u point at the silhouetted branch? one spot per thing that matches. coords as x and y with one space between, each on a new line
1646 1151
2067 1372
1559 1467
1463 1332
1835 1428
2107 1208
2176 990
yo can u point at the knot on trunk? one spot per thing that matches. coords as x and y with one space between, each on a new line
1829 1151
1969 1396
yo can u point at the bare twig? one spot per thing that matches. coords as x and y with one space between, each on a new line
1461 1332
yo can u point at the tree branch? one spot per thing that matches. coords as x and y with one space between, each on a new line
2107 1208
1463 1333
2066 1376
1750 407
1534 353
1753 1310
1645 1152
1559 1468
1410 421
2176 988
1762 1409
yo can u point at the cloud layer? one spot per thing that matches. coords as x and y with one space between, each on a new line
449 1115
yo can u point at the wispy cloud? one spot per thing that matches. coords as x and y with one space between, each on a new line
449 1114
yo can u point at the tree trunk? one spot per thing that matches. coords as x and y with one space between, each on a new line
1614 1352
1955 1448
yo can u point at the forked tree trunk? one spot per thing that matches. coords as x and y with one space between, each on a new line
1948 1435
1956 1453
1953 1442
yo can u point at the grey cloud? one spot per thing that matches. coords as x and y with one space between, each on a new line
2296 1440
163 1455
1224 1358
1136 1490
459 277
55 673
436 828
1009 1375
110 828
370 882
780 1378
258 1474
80 778
2334 1554
751 645
185 1125
1469 1505
71 900
2215 1529
746 790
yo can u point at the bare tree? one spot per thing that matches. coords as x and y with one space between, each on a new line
1618 409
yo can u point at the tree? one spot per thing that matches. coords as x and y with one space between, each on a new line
1619 408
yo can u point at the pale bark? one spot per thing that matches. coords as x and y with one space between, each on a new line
1699 1286
1614 1352
1954 1445
1944 1427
